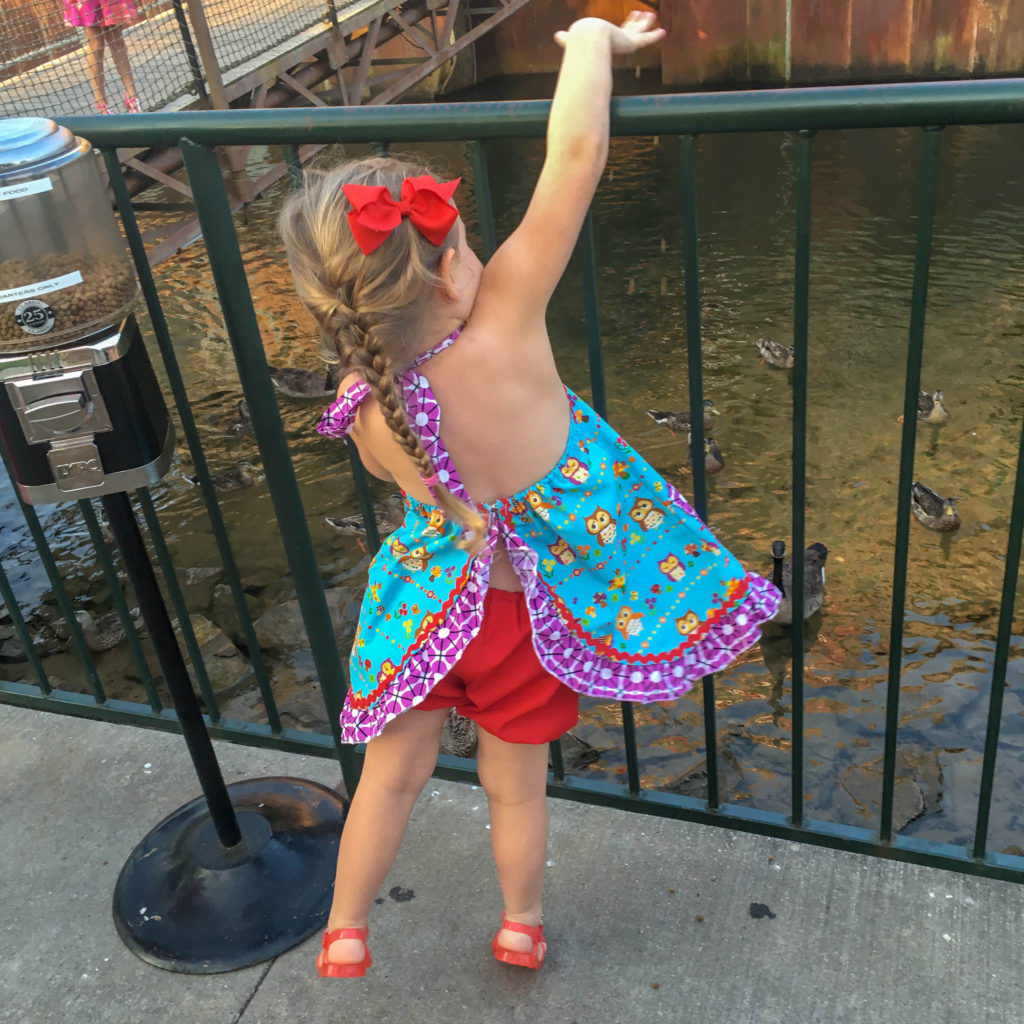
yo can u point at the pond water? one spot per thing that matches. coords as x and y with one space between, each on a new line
861 269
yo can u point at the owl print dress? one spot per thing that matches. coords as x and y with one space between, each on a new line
630 595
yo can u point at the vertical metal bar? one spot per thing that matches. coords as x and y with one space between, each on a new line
1003 637
190 51
694 365
484 206
22 633
585 248
599 400
243 330
557 761
362 485
120 606
67 610
188 423
163 557
629 742
919 303
695 376
296 174
801 312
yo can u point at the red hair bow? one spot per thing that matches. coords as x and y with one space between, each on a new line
426 202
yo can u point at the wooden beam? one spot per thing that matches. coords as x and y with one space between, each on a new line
163 179
363 73
301 89
414 33
424 69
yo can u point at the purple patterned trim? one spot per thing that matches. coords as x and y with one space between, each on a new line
433 661
339 416
560 651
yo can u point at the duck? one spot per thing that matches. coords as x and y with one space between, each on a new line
388 516
774 353
458 735
930 408
298 383
235 478
714 460
814 580
933 510
242 424
678 422
103 633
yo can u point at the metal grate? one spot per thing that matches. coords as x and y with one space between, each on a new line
924 108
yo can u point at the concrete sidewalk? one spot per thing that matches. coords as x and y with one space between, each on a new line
647 919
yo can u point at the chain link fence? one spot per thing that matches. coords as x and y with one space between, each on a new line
60 57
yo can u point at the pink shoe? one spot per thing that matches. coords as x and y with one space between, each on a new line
328 970
102 108
131 104
534 958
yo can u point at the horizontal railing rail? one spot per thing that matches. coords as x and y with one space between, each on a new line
928 107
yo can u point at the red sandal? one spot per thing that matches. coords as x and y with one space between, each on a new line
326 969
532 959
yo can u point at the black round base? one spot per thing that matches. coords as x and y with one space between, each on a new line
185 903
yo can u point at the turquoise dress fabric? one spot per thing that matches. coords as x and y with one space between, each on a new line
631 596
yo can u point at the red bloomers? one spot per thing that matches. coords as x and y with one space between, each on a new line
499 682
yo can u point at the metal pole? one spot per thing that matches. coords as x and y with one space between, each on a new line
126 532
190 51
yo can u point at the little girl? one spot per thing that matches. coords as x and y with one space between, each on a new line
102 21
540 556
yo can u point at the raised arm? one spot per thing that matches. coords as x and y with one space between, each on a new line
522 274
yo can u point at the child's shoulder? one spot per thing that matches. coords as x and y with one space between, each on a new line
350 380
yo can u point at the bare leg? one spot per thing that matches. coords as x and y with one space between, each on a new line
94 63
514 776
397 766
115 37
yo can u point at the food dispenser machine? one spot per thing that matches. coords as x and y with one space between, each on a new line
80 410
243 873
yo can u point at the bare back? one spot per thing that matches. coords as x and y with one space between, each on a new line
504 411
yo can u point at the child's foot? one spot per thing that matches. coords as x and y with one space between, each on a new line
520 941
345 953
131 104
101 107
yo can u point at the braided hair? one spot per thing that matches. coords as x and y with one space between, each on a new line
367 306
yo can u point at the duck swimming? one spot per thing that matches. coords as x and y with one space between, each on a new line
242 424
714 461
236 478
930 408
774 353
933 510
814 580
103 633
298 383
388 516
678 422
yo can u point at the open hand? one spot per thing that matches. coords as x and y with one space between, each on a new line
636 32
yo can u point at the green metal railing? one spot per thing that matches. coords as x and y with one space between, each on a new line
928 107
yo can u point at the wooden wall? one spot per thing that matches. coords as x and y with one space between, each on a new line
524 43
719 42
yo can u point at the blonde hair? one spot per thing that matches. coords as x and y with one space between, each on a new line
368 306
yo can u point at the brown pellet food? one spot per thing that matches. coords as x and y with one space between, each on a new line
107 291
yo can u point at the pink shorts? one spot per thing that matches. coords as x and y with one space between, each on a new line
99 12
500 683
